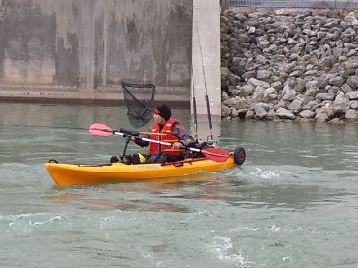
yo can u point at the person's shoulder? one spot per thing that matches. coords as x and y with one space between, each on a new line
175 121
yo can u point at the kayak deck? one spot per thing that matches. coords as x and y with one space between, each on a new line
72 174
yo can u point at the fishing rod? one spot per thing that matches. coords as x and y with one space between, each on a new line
206 88
194 105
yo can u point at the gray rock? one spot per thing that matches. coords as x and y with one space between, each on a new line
351 64
263 75
258 83
295 105
294 56
260 111
261 59
345 88
296 73
246 90
327 109
285 114
234 113
351 18
354 105
282 104
242 113
340 108
248 75
300 85
322 82
249 114
325 96
271 114
328 61
352 82
351 53
336 121
351 115
307 114
229 102
312 84
311 105
336 81
262 42
225 111
277 85
321 117
224 96
240 103
259 95
341 97
289 95
311 73
270 90
353 95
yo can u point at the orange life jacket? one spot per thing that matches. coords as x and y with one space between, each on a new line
155 148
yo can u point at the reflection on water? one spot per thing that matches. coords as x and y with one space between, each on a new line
296 193
165 188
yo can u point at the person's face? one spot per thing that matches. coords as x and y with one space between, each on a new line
158 119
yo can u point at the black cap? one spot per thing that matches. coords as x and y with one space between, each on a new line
164 111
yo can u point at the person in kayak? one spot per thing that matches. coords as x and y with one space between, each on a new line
166 129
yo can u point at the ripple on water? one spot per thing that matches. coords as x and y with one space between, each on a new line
222 248
26 222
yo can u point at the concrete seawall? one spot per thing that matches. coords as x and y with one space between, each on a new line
80 50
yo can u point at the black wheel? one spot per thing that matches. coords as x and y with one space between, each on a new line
239 155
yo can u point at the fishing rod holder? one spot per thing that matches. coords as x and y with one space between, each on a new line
128 138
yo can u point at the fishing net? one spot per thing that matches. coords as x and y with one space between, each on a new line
139 99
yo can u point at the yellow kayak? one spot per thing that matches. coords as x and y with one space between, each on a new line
72 174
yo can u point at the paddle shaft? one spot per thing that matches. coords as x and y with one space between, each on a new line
159 142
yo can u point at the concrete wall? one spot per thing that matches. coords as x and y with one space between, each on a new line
82 49
206 65
206 55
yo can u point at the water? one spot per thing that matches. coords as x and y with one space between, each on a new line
292 204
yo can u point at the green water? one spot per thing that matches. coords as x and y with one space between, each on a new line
292 204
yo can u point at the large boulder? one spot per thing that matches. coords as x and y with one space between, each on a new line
285 114
307 114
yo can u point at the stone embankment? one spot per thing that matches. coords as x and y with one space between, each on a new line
298 65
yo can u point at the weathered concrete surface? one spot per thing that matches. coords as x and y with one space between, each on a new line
206 55
83 49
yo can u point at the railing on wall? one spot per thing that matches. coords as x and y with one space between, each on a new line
295 3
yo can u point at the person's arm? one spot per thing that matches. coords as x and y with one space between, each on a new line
140 142
186 139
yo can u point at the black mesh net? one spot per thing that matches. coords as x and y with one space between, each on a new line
139 99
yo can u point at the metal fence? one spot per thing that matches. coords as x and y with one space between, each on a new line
295 4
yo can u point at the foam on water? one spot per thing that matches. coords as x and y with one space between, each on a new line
265 174
222 247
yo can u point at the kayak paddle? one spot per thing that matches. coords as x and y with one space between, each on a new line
103 130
